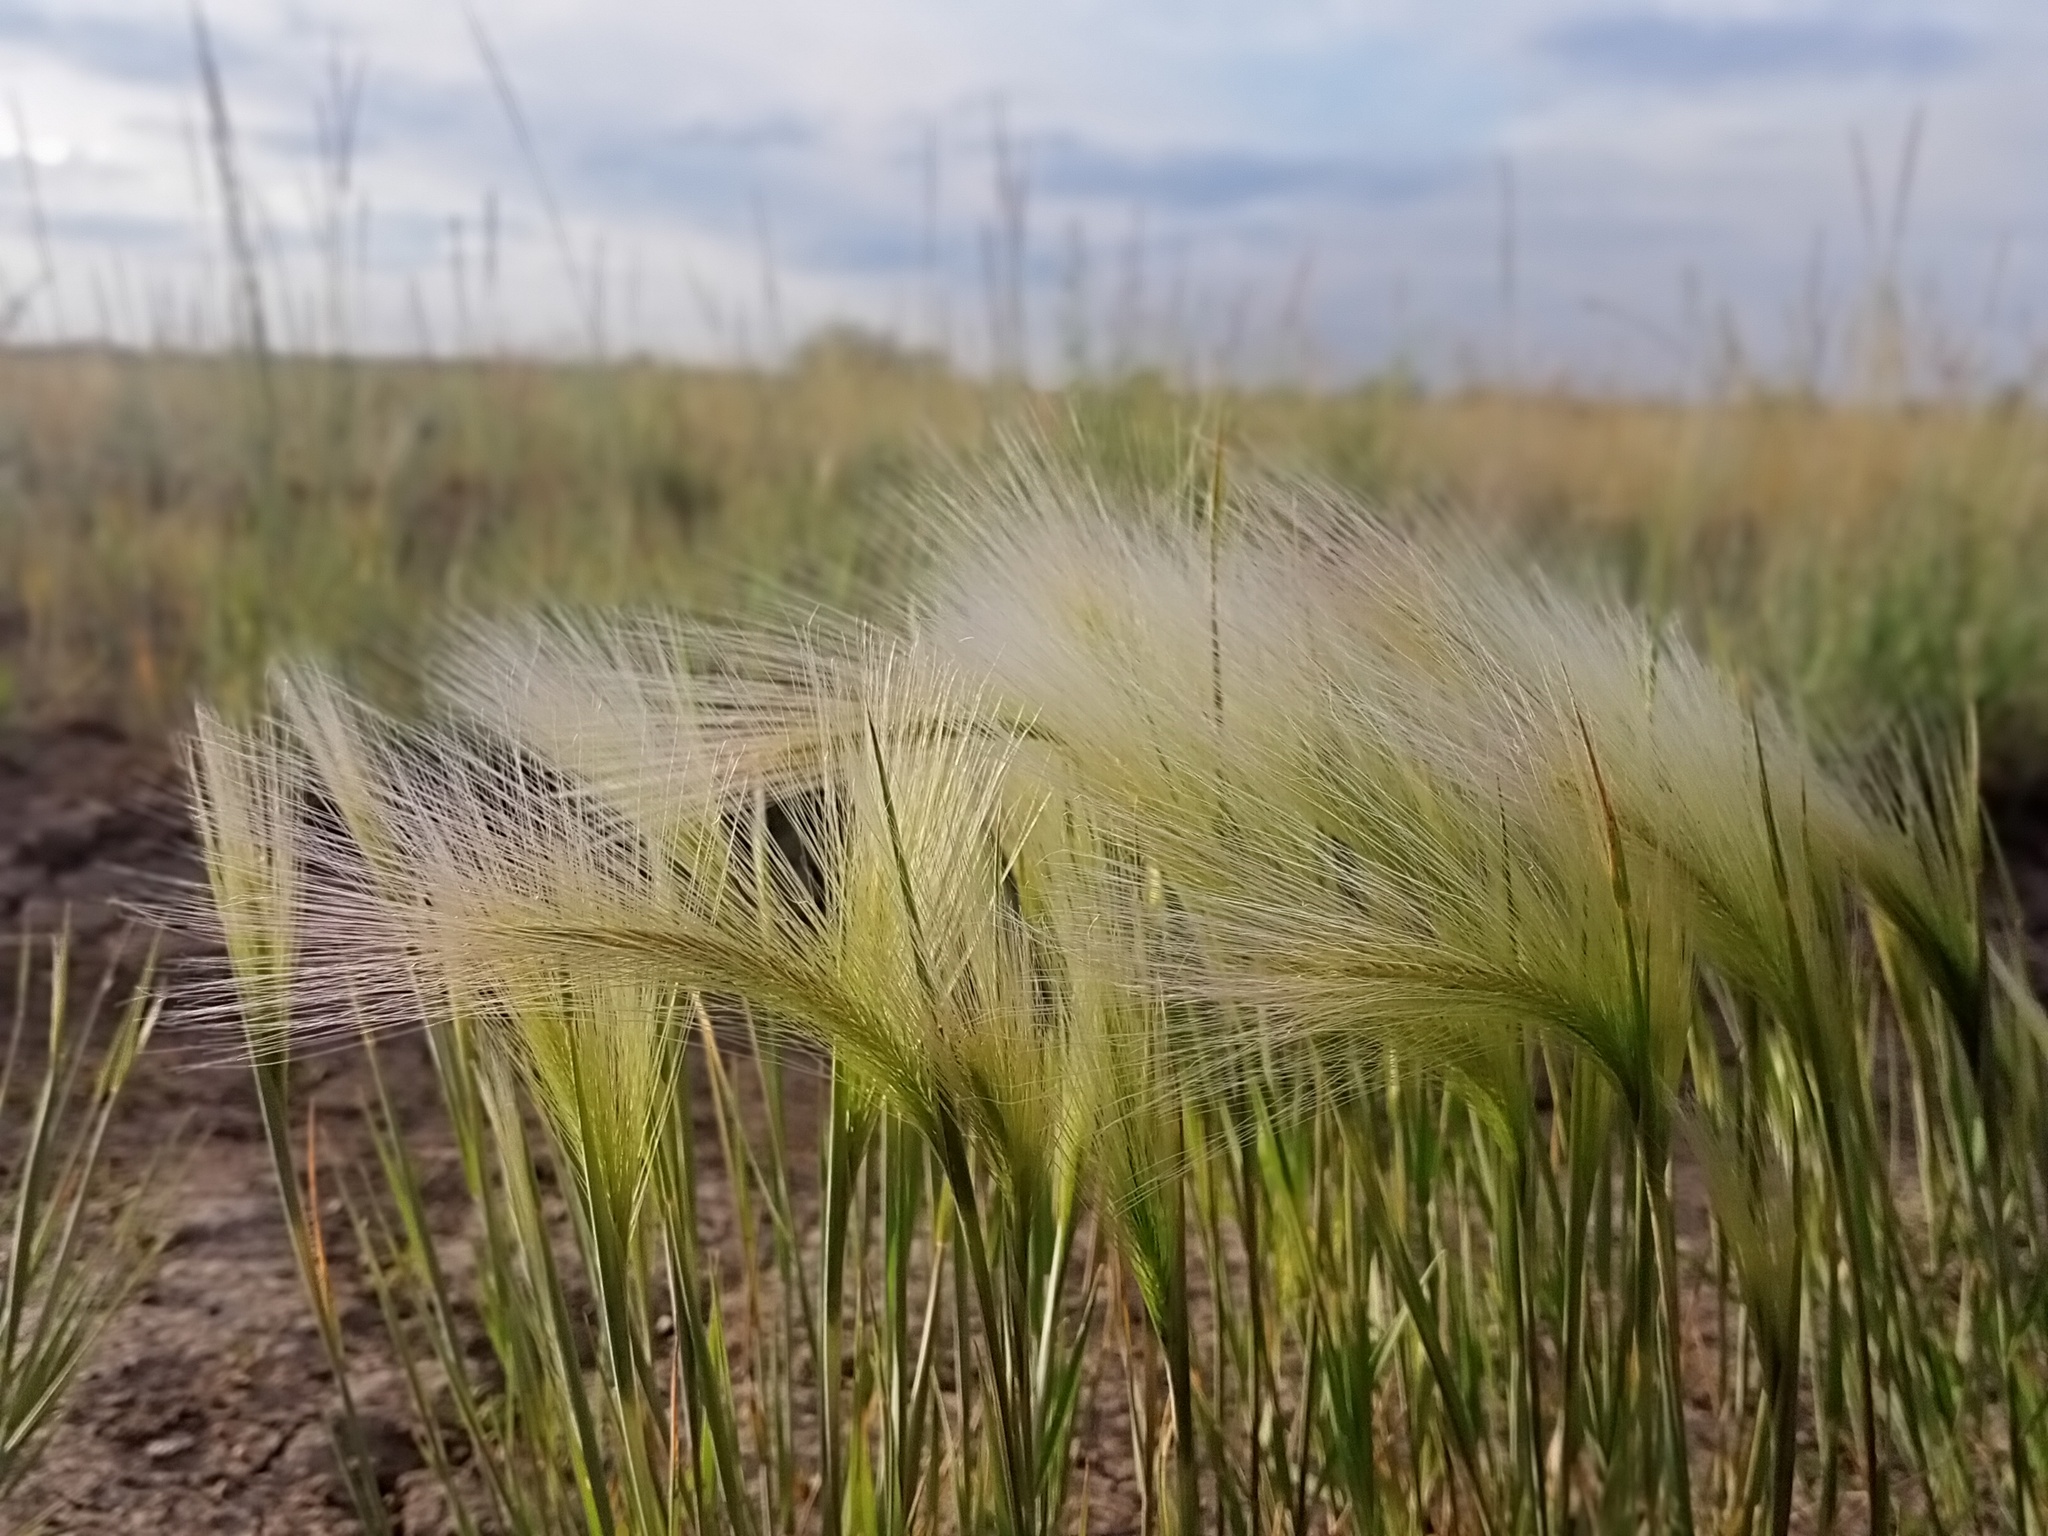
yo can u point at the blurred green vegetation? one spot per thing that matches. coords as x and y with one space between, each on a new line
171 523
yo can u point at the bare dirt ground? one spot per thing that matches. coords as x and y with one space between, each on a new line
205 1408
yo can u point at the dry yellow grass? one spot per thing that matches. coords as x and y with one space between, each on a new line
168 524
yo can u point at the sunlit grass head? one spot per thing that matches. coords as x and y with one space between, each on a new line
247 788
1305 733
828 823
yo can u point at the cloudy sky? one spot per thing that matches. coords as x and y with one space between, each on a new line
1302 185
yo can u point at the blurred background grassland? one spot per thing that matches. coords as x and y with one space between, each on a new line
169 523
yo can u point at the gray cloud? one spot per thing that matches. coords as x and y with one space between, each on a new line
1649 137
725 177
398 114
695 166
132 48
1213 180
133 231
1684 50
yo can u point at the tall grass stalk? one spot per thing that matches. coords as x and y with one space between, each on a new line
73 1247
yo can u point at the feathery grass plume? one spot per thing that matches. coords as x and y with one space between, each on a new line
248 793
1402 796
411 837
302 817
1102 626
485 841
428 841
1769 857
1121 1101
1145 682
1128 1104
1218 871
1342 836
871 915
1923 869
247 788
1769 848
346 746
651 711
944 890
1515 688
881 917
1918 852
599 1051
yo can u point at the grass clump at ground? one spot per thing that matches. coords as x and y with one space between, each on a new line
74 1243
1432 1051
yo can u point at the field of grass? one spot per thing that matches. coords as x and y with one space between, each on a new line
169 526
1435 953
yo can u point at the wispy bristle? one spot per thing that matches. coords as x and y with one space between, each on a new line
1287 786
